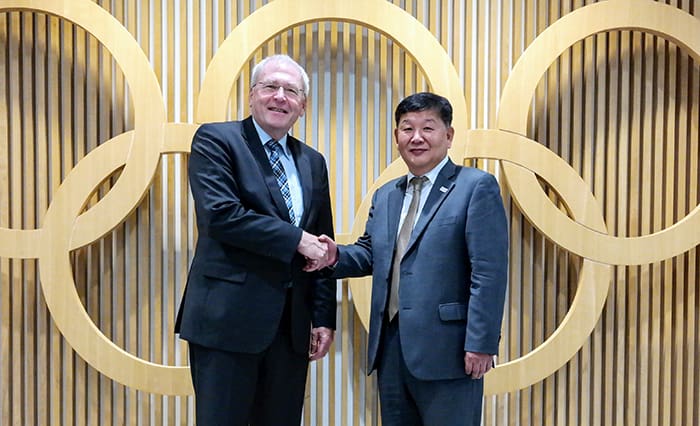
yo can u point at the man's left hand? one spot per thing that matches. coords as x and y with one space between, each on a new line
476 364
321 339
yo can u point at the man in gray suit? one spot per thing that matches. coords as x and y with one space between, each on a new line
253 318
437 290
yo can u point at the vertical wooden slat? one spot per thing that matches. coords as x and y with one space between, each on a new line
602 91
554 390
690 387
496 42
656 68
183 407
125 284
15 161
160 217
124 273
5 209
309 50
343 338
111 98
616 302
527 233
532 408
387 151
515 305
29 309
516 224
70 372
57 409
369 64
677 313
113 273
105 74
628 275
456 15
638 274
88 379
651 277
409 71
480 61
195 49
100 280
360 124
41 115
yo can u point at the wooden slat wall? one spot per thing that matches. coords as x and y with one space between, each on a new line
622 108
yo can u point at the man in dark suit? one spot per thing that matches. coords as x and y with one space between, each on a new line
432 342
252 317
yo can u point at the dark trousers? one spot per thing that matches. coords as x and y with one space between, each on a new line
408 401
239 389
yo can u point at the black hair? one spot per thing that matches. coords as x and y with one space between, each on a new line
425 101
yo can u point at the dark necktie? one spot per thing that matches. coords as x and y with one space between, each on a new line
402 242
274 148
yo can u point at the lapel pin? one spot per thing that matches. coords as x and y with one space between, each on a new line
443 189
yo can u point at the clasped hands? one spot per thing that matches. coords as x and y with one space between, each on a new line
319 252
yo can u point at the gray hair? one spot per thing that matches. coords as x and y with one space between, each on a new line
281 59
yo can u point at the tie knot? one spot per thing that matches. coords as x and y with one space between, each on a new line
273 145
417 182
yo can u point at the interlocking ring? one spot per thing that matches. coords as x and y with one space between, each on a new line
585 235
139 150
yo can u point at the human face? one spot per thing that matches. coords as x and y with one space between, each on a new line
423 140
277 111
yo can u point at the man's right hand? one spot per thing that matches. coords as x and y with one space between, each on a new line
330 259
311 248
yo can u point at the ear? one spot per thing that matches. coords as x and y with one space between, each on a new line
396 135
450 136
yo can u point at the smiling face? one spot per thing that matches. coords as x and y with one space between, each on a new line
277 111
423 140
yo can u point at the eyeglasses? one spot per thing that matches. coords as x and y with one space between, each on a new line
269 88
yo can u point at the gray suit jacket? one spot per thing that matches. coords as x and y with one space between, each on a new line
453 274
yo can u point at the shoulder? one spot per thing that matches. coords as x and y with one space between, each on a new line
472 174
219 128
390 186
309 151
221 134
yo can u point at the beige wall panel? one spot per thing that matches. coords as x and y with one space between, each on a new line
620 110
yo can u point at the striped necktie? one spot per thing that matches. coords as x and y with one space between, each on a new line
274 148
402 242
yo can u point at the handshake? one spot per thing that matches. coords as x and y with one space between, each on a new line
319 252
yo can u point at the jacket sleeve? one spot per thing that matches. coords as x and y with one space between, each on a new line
356 260
324 288
487 244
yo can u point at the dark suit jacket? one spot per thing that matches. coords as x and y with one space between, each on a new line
246 248
453 274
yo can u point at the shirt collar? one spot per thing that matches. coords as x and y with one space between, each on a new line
264 137
432 174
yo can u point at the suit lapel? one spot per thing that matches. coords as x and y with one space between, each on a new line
444 183
304 171
395 202
250 135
